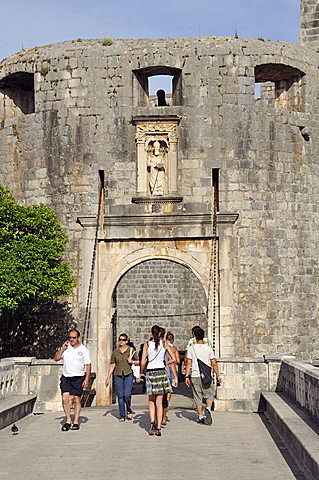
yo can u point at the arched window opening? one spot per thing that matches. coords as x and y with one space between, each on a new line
17 94
279 85
157 86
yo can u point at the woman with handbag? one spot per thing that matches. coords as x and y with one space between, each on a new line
157 382
122 360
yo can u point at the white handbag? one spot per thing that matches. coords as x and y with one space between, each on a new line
135 368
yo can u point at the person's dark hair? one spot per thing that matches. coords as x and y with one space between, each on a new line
170 337
75 330
199 333
155 333
195 328
131 344
162 332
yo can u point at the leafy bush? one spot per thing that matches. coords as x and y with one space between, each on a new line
32 270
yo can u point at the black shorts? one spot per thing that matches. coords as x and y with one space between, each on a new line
72 385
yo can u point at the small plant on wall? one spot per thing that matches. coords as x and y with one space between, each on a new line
107 39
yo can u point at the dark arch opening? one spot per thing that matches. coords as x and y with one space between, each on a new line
163 292
19 88
280 85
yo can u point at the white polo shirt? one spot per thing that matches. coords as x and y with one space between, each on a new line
75 360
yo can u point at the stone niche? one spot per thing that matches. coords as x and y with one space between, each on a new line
156 152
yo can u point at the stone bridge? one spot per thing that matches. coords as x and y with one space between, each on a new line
281 411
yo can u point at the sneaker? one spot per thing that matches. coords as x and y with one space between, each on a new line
201 421
208 417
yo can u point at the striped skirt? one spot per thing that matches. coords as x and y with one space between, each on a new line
157 382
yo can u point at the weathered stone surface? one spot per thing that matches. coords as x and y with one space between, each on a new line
262 296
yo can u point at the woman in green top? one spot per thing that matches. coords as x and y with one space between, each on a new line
121 360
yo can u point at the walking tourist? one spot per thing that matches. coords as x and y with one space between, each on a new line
201 352
191 342
75 376
172 373
121 360
157 382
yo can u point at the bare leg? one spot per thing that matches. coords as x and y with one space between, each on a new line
165 410
66 406
151 407
77 408
159 410
164 416
199 409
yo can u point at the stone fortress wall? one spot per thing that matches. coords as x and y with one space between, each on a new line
76 127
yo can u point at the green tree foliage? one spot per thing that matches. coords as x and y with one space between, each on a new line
32 271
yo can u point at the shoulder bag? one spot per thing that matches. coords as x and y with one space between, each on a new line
135 368
205 371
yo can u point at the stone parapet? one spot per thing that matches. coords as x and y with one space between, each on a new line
243 380
300 381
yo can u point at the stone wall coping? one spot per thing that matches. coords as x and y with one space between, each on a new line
46 361
241 360
303 367
19 360
6 362
277 358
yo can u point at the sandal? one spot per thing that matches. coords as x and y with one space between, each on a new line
129 416
75 426
122 420
152 429
158 432
66 427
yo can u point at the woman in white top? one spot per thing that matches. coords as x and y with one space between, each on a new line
157 382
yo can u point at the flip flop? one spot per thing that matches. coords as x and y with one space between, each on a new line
75 426
66 427
129 416
122 420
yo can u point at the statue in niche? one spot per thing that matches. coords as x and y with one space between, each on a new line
156 160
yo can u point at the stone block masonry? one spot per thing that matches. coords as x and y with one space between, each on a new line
86 125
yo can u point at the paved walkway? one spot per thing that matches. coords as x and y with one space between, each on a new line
238 446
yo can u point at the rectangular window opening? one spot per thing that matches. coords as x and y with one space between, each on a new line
215 185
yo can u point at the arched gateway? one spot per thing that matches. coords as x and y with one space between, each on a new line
140 284
162 292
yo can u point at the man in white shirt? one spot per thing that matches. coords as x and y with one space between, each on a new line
75 376
191 342
205 353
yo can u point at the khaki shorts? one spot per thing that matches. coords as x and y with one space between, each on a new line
200 392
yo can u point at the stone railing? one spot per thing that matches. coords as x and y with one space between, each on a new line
243 380
29 376
300 381
6 378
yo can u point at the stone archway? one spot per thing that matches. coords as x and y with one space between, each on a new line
162 292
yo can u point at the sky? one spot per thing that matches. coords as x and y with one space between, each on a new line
29 23
32 23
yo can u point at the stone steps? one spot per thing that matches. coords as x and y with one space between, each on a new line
14 408
298 431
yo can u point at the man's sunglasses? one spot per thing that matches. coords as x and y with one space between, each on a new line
72 337
122 340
